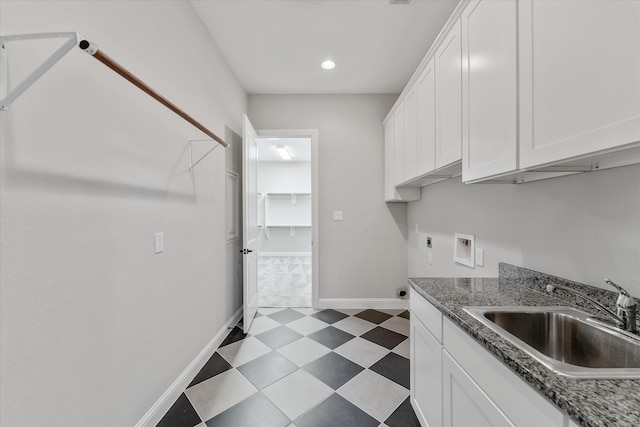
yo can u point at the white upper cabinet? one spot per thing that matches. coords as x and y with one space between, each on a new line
398 146
448 65
411 134
426 92
389 176
489 89
391 193
579 78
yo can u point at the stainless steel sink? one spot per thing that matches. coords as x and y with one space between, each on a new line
565 340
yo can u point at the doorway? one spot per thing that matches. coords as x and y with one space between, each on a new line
286 218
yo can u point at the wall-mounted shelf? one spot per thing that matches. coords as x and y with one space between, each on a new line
287 210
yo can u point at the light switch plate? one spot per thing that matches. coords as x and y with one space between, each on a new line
337 215
158 243
480 257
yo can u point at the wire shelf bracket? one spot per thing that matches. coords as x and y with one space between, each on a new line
8 96
192 163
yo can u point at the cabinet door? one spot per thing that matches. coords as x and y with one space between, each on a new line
448 62
389 176
411 134
391 193
427 119
489 89
579 78
426 375
464 403
398 145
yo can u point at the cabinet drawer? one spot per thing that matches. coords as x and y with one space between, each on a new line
430 316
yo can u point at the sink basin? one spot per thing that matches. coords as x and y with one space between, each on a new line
565 340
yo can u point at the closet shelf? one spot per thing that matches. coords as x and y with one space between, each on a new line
288 194
287 225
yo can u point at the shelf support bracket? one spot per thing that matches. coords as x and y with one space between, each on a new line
7 96
192 164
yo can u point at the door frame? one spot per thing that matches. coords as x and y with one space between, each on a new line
315 235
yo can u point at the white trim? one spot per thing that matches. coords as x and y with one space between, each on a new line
168 398
315 196
363 303
232 217
260 254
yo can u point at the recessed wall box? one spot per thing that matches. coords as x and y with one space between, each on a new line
464 249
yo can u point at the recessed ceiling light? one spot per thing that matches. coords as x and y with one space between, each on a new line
328 65
284 153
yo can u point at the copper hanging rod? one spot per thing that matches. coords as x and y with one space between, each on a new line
92 50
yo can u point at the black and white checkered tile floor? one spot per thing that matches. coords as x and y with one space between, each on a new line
306 368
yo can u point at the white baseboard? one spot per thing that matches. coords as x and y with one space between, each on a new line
284 253
363 303
168 398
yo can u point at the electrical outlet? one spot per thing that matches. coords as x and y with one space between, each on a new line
428 241
402 292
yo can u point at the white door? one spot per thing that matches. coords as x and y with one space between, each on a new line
249 223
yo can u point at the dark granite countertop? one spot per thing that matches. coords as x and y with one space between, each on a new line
589 402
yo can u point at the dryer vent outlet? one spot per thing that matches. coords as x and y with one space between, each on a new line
402 293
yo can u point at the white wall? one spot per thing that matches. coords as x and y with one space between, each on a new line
583 227
284 177
363 256
94 326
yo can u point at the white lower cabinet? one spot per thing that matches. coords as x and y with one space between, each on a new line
516 399
425 361
464 402
456 382
426 375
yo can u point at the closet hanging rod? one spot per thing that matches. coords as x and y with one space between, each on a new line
92 49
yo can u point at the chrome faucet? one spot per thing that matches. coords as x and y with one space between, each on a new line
626 306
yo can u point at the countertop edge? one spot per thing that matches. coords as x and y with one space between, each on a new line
504 351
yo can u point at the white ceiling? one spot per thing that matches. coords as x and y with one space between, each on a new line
298 148
276 46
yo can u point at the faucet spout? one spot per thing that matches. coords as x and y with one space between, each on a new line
611 314
626 306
